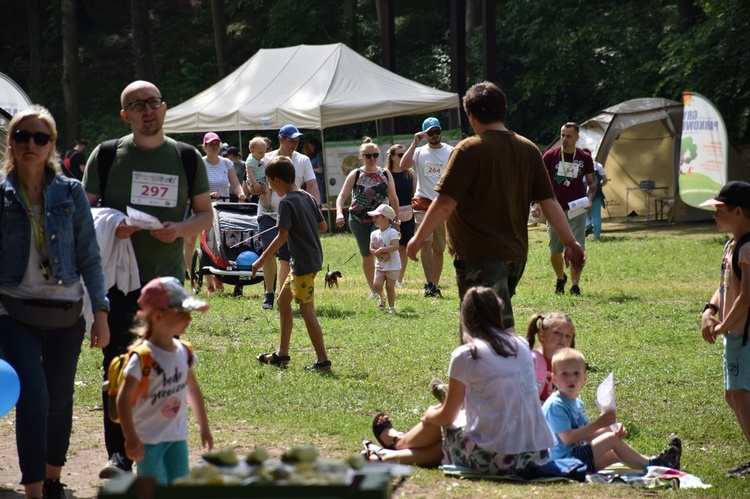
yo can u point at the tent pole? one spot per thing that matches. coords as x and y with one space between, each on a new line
325 181
239 138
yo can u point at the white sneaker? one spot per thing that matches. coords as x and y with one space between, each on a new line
399 284
391 310
374 295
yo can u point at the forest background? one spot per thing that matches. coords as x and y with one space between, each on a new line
557 60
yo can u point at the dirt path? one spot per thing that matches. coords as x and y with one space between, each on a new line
87 455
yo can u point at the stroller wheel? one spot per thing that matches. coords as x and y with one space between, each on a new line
196 277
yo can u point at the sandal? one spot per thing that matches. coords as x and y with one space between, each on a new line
380 424
276 360
320 366
370 449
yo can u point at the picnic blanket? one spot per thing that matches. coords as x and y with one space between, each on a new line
654 477
558 470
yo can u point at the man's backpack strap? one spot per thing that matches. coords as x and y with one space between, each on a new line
104 160
189 163
106 157
736 270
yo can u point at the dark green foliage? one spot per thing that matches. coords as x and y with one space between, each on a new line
557 60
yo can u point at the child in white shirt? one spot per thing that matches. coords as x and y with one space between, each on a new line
155 425
384 246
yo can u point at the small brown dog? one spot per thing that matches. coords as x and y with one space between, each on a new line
332 278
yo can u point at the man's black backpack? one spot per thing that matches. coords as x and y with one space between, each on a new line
736 270
106 156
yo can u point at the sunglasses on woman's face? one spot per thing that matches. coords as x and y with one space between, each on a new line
375 155
399 154
23 137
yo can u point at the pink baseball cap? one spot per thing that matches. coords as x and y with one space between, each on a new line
385 211
210 137
167 292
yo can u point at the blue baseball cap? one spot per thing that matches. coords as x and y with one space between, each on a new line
290 131
430 122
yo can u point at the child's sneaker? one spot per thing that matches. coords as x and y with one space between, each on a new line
741 470
399 284
391 310
670 458
381 305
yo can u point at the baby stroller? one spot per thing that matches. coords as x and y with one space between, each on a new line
234 231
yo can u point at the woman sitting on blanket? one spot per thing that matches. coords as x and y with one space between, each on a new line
492 377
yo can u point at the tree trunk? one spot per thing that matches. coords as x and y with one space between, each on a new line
473 15
220 36
144 68
686 13
350 17
35 42
70 73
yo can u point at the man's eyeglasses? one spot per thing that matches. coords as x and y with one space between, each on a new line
140 105
23 137
433 132
375 155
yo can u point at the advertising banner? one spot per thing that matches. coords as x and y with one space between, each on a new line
703 150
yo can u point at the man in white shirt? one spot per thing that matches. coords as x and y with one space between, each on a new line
289 137
429 162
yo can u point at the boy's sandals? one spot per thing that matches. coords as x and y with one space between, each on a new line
274 359
381 424
370 449
321 366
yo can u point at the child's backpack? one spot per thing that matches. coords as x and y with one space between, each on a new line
116 375
736 270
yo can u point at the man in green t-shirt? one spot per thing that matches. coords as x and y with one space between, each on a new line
148 174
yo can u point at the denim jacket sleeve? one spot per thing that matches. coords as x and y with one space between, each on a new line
87 249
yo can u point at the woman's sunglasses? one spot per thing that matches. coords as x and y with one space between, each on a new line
23 137
375 155
399 154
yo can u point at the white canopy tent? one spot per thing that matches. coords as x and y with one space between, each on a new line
310 86
12 100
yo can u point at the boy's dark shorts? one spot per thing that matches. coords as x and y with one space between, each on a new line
585 454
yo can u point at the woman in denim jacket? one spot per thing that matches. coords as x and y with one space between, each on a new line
47 243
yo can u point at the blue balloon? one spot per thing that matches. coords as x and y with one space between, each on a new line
10 388
246 259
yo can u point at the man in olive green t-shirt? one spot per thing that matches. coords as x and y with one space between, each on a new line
147 173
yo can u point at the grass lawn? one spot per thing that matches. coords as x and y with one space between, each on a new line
644 288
